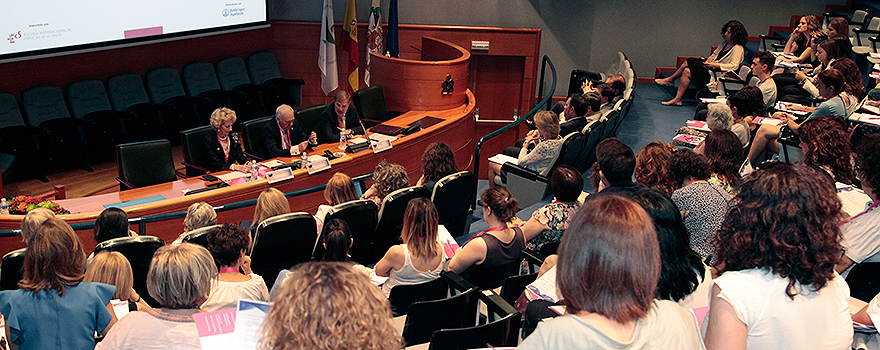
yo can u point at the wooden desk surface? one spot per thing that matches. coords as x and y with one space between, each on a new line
456 129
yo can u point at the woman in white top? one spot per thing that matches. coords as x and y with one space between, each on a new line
775 254
340 189
228 245
420 258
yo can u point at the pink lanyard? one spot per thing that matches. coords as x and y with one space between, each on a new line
499 228
225 151
230 269
873 205
285 136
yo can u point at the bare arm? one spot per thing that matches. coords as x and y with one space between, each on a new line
112 321
393 259
862 316
472 253
724 330
532 228
844 263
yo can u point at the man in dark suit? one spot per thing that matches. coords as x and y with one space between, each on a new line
579 111
340 116
283 136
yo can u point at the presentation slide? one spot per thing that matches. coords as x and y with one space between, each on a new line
48 24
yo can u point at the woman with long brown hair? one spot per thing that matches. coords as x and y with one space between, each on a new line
420 258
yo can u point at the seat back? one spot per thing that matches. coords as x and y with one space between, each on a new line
571 152
593 137
390 221
200 77
232 73
194 152
425 317
263 67
127 90
87 96
370 103
452 196
199 236
503 332
870 30
145 163
11 269
611 117
281 242
515 285
491 277
44 103
361 217
310 118
864 281
252 140
139 252
402 296
10 114
163 84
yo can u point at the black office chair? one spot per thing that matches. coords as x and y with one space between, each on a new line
145 163
281 242
195 156
452 196
11 269
310 118
252 141
59 138
250 101
139 252
199 236
165 87
864 281
426 317
200 81
530 187
149 121
402 296
371 107
263 69
391 218
503 332
361 217
104 127
19 139
513 286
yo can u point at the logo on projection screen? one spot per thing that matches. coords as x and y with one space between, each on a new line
233 12
13 37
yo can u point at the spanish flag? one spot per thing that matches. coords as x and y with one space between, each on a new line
349 43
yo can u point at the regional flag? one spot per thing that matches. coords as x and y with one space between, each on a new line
349 42
374 36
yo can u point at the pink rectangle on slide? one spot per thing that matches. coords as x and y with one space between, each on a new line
136 33
214 323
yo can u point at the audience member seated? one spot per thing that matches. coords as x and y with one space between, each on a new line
775 256
112 223
827 53
826 145
613 170
853 90
861 233
283 136
387 178
198 215
420 258
228 245
344 311
704 205
650 167
54 309
340 189
339 118
801 39
31 223
549 222
830 85
438 161
718 117
223 146
608 272
484 258
114 269
616 82
762 67
745 105
270 203
578 111
724 156
539 147
838 29
180 280
728 56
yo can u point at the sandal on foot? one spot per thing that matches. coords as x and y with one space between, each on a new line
661 83
670 103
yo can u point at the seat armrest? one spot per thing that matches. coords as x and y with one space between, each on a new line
254 156
196 167
858 31
180 174
126 184
777 47
513 169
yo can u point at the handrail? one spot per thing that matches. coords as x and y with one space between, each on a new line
142 222
546 60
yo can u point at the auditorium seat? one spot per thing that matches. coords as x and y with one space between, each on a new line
361 217
501 330
250 101
251 130
105 128
454 196
195 156
530 187
60 139
310 118
19 139
390 221
144 163
370 105
11 269
263 69
149 121
199 236
281 242
861 46
426 317
593 135
165 87
402 296
139 252
200 80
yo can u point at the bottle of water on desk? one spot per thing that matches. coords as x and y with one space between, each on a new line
304 160
255 171
342 139
4 207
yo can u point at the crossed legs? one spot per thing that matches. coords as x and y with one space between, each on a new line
684 73
765 140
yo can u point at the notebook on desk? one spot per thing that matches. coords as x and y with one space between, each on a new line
386 129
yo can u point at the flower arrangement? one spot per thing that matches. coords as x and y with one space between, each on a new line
22 204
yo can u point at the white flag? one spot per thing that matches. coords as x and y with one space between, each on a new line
327 51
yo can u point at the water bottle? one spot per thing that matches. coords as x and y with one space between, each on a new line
304 160
4 207
255 171
342 138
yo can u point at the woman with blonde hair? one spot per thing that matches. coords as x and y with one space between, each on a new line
387 178
420 257
270 203
329 306
340 189
223 146
114 269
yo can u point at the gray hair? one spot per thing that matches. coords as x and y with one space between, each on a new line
719 117
32 222
180 276
199 215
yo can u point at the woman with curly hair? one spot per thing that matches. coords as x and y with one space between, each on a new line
800 41
853 90
724 156
387 178
228 245
329 306
826 145
437 162
861 232
727 56
651 167
775 254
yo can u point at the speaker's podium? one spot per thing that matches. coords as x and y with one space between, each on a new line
438 80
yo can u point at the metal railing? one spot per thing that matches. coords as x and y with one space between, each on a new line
142 222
